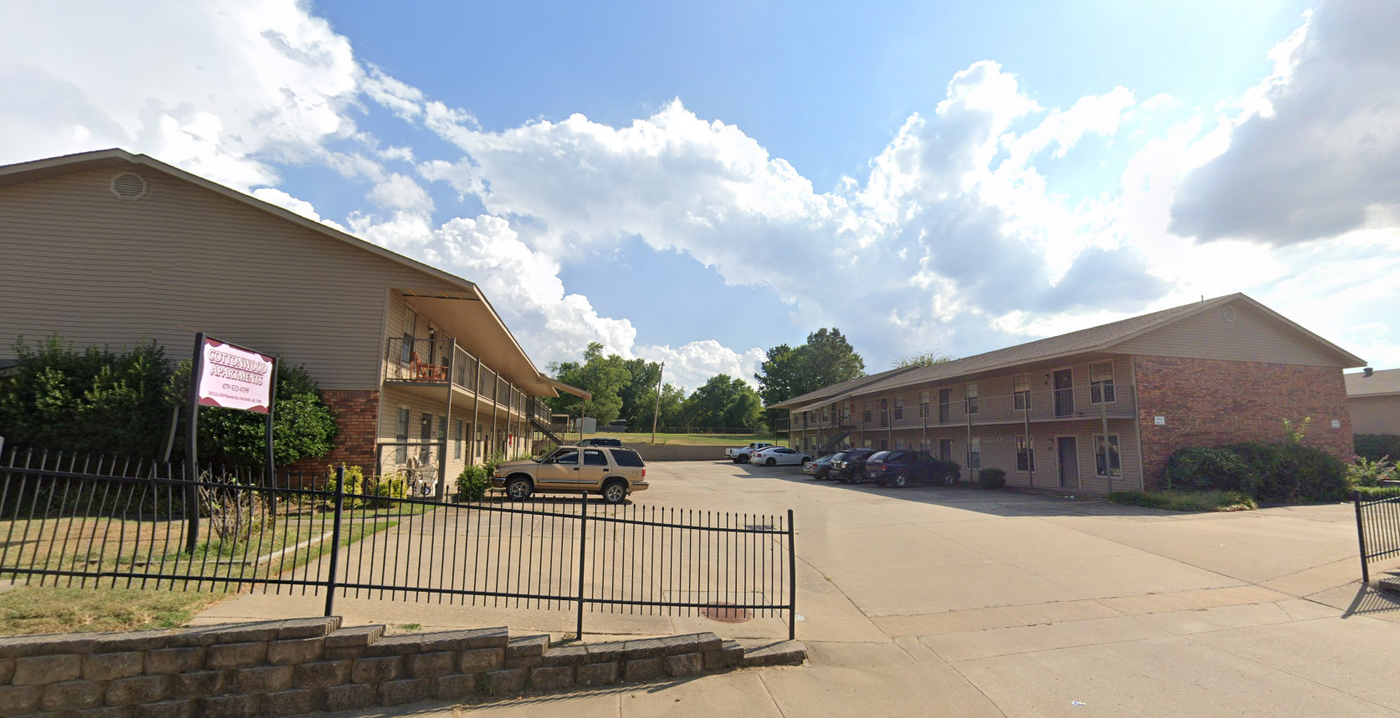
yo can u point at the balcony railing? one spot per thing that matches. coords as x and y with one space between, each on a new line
1045 405
440 361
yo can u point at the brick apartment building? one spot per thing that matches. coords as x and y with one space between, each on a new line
112 248
1102 408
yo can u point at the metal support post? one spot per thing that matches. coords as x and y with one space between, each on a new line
192 448
335 539
582 553
792 580
1361 539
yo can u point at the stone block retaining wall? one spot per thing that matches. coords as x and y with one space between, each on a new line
302 666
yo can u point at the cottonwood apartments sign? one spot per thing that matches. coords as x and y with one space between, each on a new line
232 377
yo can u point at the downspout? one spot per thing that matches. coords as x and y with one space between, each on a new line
1030 448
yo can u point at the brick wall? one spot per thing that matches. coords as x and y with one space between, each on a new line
1208 402
302 666
357 414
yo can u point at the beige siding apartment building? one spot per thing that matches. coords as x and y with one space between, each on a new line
1099 409
1374 397
111 248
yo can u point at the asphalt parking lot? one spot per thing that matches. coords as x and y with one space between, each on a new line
961 602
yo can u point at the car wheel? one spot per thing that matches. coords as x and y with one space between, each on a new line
742 459
615 492
519 488
858 477
900 480
771 462
950 479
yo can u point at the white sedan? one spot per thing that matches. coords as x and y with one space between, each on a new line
778 455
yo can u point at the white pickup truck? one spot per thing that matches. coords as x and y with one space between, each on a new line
741 454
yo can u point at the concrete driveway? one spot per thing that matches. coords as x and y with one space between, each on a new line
960 602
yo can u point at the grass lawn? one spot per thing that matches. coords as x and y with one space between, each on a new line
690 439
26 610
1185 500
91 543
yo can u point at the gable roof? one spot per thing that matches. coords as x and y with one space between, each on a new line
116 158
1381 383
820 395
1101 338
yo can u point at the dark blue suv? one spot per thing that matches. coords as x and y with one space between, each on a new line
900 467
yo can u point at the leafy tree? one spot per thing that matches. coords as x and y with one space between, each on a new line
97 400
639 394
825 359
603 377
925 359
672 406
302 425
724 401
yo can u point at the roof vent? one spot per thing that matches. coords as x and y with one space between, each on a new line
129 186
1228 312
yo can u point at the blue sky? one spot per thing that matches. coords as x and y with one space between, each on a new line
697 182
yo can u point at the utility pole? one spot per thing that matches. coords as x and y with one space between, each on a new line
656 413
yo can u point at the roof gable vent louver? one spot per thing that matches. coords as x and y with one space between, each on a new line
129 186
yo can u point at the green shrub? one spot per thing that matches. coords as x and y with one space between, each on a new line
97 400
1202 468
359 488
472 483
1292 473
303 426
1173 500
1365 472
1377 492
1377 446
1273 473
991 478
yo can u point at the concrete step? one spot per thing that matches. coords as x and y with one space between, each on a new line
1390 583
773 653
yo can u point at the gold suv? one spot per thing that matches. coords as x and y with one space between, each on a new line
611 471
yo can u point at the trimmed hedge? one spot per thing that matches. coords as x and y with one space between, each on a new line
1185 500
991 478
1377 446
1272 473
472 483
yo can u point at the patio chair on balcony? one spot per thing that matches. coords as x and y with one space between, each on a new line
423 371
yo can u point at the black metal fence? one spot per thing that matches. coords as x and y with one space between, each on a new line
89 521
1377 529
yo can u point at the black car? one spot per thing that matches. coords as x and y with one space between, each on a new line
851 468
900 468
821 468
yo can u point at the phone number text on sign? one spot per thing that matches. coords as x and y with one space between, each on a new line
235 378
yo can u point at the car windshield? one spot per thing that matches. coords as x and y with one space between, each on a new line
838 457
878 455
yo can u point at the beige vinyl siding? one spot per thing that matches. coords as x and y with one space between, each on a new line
98 270
1252 336
1375 414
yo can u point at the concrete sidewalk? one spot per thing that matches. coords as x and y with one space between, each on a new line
960 602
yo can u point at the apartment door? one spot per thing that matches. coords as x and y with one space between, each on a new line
945 449
1064 392
884 413
945 406
425 433
1068 460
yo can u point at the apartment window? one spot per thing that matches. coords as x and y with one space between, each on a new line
971 394
899 408
1025 456
899 443
1101 383
457 443
866 416
1114 461
846 411
945 405
974 453
410 328
923 404
401 436
1022 392
826 414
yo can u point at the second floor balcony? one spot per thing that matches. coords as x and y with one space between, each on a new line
441 362
1076 403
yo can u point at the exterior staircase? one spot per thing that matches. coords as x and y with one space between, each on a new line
544 429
